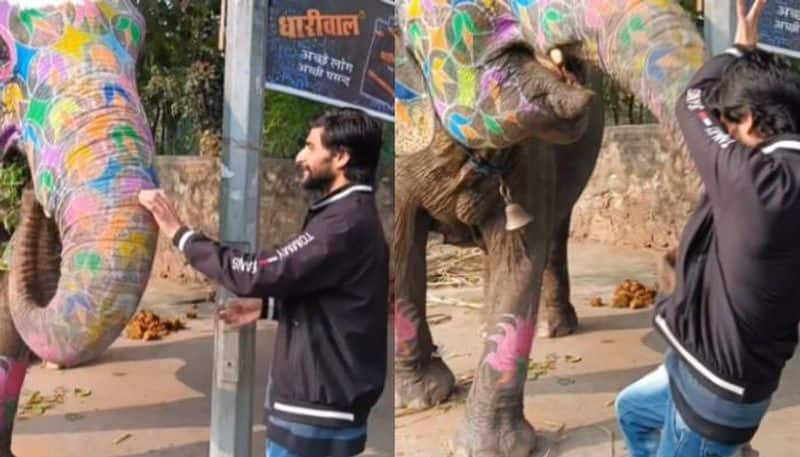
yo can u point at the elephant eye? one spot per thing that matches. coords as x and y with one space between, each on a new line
511 58
513 49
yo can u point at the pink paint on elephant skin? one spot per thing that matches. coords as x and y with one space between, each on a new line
12 375
405 332
514 341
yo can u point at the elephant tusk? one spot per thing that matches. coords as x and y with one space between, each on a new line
557 56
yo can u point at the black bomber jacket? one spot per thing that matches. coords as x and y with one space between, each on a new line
733 317
331 286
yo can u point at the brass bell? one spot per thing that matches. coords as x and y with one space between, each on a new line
516 217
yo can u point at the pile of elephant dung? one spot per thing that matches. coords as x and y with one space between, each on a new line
148 326
629 294
633 294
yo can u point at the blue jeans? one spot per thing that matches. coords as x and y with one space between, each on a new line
652 427
273 449
276 450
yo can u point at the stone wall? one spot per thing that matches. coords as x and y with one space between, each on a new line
194 183
641 193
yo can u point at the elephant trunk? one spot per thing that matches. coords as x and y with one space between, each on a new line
107 239
652 48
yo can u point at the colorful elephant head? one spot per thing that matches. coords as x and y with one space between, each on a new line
487 69
70 105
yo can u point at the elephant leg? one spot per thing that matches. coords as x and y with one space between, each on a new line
557 316
14 361
574 165
422 379
495 424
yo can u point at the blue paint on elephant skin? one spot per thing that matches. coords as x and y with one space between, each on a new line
405 93
24 57
653 68
103 182
109 90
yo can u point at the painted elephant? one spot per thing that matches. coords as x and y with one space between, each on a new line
495 104
82 254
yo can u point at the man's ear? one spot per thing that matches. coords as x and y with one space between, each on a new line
749 125
341 159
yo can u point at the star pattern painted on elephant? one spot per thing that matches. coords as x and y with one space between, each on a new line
68 90
483 103
454 43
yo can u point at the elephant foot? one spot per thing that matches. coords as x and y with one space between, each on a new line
499 438
425 389
557 321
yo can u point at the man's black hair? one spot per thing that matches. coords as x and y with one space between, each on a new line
360 135
765 84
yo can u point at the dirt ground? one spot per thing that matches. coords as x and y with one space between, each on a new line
570 402
153 398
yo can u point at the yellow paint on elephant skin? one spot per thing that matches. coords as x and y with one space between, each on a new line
439 75
467 84
660 4
12 99
132 249
62 115
415 9
72 42
78 164
108 11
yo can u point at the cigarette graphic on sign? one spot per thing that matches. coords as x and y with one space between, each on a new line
378 81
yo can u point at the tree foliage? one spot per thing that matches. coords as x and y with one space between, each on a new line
180 72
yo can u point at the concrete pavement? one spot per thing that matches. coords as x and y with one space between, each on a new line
572 405
157 392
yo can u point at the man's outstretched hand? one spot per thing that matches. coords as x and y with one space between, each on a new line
239 312
163 211
747 30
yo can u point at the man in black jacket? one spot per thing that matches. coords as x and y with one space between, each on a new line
731 322
331 283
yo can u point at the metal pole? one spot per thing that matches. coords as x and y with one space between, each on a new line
720 24
234 351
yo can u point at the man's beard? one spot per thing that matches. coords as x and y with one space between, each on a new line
320 181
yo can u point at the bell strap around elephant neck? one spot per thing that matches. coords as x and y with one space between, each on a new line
483 166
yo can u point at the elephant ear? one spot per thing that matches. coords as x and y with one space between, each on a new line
415 119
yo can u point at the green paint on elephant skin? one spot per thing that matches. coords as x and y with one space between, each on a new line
492 125
27 16
416 34
552 17
119 134
125 23
37 112
91 261
46 180
462 21
11 407
636 24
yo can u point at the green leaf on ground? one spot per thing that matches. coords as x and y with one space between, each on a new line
82 392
